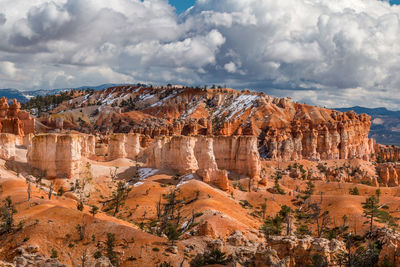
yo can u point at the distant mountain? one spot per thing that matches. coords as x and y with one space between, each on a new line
13 93
23 96
385 127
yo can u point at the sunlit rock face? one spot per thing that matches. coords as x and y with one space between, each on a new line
209 157
124 146
60 155
7 146
13 120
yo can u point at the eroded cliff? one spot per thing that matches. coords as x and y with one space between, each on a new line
286 130
7 146
60 155
13 120
209 157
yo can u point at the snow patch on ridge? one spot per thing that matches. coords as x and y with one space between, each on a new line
185 179
146 173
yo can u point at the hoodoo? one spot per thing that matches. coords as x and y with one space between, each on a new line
60 155
206 164
13 120
7 146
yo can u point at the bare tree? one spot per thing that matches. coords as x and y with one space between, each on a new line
51 187
113 173
84 257
29 190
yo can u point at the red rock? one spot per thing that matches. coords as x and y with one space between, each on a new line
13 120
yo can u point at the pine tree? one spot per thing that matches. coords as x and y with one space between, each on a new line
286 214
119 196
110 253
94 210
7 212
374 212
272 226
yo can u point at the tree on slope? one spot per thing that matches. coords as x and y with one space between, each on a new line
7 212
374 212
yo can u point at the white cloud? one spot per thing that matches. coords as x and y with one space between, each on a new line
7 69
312 50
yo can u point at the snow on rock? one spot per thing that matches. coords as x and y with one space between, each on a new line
146 173
238 106
138 184
185 179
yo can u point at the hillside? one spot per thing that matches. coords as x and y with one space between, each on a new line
24 95
182 176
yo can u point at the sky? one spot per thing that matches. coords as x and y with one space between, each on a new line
328 53
182 5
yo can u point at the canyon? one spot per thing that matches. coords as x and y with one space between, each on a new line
228 160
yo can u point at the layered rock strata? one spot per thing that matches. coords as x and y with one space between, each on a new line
13 120
286 130
387 153
341 136
60 155
291 251
389 174
238 154
7 146
124 146
209 157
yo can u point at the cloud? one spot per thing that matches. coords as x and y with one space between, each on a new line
2 19
323 52
7 69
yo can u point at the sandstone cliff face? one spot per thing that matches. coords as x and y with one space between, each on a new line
13 120
59 155
124 146
286 130
389 174
290 251
209 157
7 146
88 146
238 154
338 136
390 241
387 153
188 155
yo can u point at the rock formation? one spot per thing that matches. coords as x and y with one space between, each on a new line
390 241
338 136
387 153
124 146
13 120
292 251
286 130
60 155
208 156
238 154
7 146
187 155
389 174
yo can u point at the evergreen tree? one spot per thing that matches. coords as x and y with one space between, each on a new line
272 226
374 212
7 212
286 214
119 196
110 253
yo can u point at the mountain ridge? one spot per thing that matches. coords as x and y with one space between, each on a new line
385 124
24 95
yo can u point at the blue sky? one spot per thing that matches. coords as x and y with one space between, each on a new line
182 5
